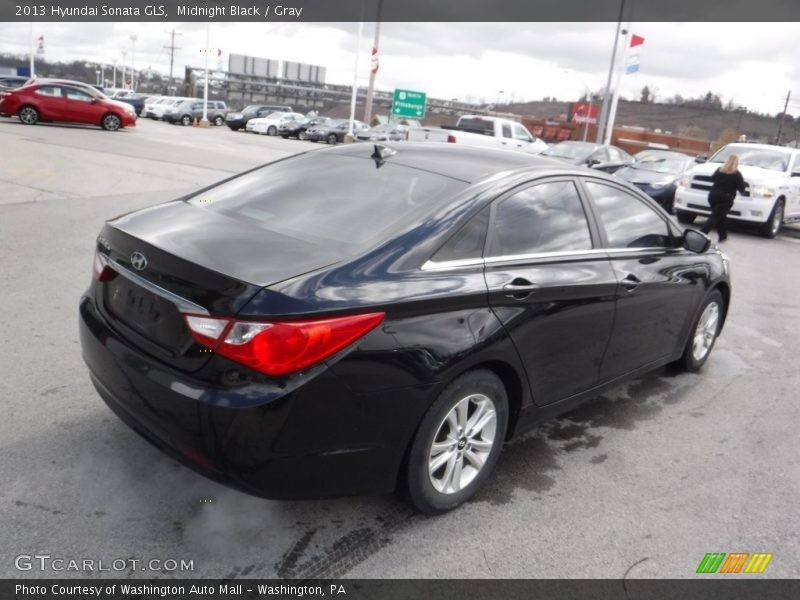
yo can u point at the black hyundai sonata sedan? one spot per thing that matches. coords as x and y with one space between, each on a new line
388 322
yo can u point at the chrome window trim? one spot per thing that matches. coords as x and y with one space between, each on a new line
432 265
648 250
545 255
184 306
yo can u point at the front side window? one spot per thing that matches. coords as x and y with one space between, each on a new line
547 217
73 94
628 221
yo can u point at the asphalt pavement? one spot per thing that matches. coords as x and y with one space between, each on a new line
641 482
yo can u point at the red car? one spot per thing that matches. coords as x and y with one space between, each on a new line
71 103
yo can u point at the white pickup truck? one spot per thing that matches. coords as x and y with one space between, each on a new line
477 130
772 186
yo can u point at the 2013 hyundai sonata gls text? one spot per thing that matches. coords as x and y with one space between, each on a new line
365 319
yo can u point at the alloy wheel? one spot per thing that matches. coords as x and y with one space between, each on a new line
706 331
111 122
28 115
462 444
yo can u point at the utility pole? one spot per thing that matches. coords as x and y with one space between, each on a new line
172 47
374 67
783 118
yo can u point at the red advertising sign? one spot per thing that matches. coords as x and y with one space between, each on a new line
584 112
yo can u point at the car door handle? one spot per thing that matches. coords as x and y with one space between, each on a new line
519 288
631 282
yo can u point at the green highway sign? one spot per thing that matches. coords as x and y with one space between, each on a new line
408 104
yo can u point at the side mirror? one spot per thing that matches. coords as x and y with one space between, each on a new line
796 173
695 241
93 100
700 159
591 162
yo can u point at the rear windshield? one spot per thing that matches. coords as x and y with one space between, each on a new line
326 199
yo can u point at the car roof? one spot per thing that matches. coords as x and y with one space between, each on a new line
664 153
467 163
750 146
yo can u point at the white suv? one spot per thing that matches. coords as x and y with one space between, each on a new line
772 186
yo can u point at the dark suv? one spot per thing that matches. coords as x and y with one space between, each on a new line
187 111
238 120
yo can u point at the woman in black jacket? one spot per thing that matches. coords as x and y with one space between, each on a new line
726 181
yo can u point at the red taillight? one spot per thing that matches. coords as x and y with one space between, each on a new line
451 139
280 348
100 270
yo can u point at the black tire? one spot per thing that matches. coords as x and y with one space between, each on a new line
472 388
686 218
332 139
302 135
690 360
272 130
233 128
111 122
186 120
773 225
28 115
218 120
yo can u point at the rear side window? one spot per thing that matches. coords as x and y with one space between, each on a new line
629 222
468 242
340 202
547 217
49 90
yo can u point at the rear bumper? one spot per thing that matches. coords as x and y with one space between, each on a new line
752 209
318 440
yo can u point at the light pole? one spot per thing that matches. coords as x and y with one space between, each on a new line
97 76
204 120
133 57
124 54
114 62
32 73
497 102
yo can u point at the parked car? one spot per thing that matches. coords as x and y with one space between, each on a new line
383 133
238 120
602 157
656 173
480 130
158 109
772 187
12 82
350 320
298 127
66 103
186 111
149 104
334 130
135 100
292 127
269 125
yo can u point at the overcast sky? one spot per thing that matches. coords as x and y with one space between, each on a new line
755 65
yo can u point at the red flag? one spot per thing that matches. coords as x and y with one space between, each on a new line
374 60
636 40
